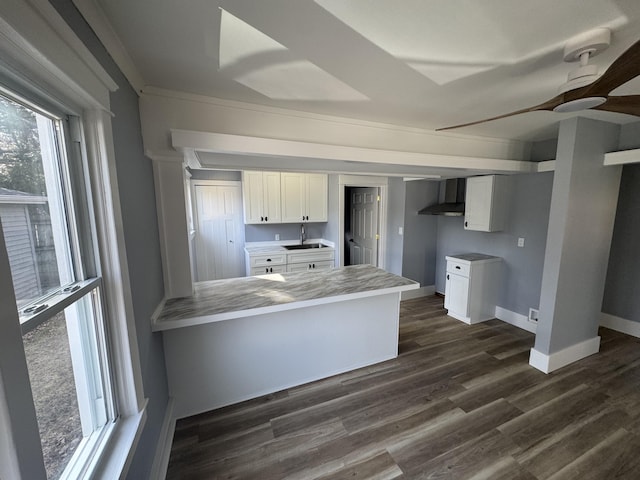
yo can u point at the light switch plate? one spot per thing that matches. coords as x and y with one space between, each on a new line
521 242
400 230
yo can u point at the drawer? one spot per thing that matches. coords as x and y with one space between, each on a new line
268 270
458 267
267 260
318 255
310 266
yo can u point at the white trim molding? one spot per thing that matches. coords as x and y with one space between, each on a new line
547 363
425 291
515 319
96 18
165 441
623 157
621 325
249 145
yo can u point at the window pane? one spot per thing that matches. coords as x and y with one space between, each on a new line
31 207
54 392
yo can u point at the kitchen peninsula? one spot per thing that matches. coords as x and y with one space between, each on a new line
240 338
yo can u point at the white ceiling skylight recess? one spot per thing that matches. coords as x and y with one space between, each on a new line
446 40
258 62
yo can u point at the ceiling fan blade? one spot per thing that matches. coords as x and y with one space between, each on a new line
548 105
623 69
629 104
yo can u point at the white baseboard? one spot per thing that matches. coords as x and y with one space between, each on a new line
516 319
419 292
549 362
165 440
621 325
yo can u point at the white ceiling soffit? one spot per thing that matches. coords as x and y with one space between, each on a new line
255 60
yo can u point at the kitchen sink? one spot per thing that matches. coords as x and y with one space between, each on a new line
304 246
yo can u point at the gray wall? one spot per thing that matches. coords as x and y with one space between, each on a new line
395 219
137 196
420 232
227 175
287 231
528 217
623 274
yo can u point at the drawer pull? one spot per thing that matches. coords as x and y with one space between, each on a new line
457 267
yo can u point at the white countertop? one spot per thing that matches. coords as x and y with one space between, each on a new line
266 248
220 300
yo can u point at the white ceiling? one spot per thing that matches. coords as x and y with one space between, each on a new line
418 63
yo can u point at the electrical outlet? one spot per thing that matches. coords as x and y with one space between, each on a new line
533 315
521 242
277 237
400 230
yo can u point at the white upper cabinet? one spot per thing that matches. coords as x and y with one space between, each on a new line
304 197
261 196
486 203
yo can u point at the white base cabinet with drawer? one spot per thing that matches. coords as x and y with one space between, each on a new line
262 264
293 261
472 286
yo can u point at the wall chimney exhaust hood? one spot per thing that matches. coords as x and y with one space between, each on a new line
452 202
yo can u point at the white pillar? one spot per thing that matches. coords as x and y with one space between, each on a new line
169 176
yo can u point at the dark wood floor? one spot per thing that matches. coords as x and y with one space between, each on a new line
459 402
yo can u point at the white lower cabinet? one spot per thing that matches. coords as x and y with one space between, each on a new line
266 270
310 266
471 287
290 261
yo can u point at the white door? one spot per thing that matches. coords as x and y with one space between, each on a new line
363 244
219 232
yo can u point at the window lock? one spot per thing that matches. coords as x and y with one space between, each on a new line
32 310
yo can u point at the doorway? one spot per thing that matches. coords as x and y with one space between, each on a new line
362 206
361 225
219 237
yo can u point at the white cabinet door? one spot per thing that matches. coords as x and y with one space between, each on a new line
457 294
317 199
486 203
261 196
477 206
271 187
253 195
294 193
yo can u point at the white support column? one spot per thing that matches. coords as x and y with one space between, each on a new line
583 210
169 176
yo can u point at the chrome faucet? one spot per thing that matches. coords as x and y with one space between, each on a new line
303 235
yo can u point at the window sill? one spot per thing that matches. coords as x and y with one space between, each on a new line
116 457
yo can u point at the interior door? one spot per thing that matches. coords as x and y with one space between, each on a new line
363 244
219 232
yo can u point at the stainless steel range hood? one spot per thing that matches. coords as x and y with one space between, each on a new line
452 202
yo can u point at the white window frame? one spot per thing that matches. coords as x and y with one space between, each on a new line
43 56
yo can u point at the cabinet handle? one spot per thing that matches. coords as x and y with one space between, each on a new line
457 267
447 276
266 270
303 218
268 259
466 224
271 270
314 265
262 219
266 219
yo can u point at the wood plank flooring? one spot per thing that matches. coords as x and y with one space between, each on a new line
459 402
